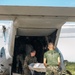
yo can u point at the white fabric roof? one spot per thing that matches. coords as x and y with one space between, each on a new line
32 20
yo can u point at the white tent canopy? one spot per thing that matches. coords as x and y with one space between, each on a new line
40 20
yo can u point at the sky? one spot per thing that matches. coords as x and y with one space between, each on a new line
65 3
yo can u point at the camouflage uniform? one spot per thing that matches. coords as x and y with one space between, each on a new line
28 60
52 62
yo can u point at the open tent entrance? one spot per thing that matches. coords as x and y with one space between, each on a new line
24 44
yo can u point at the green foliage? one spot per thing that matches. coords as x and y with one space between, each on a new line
71 67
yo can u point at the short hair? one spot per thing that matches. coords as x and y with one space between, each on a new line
50 43
33 51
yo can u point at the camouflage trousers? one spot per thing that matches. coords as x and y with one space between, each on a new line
27 71
52 70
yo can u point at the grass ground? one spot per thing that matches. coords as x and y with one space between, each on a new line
71 67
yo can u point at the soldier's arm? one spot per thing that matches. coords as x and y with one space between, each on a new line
59 61
44 61
25 62
36 60
45 64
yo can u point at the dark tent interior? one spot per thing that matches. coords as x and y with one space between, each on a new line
24 44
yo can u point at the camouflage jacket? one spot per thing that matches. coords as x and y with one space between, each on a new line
29 60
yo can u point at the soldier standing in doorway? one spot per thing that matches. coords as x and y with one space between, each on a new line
51 60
